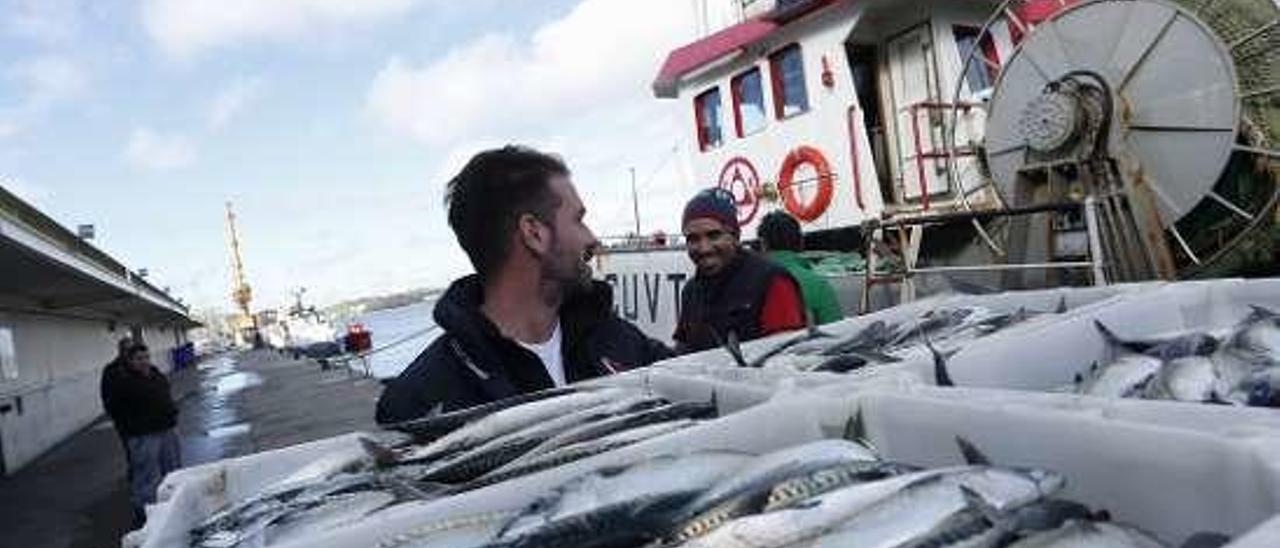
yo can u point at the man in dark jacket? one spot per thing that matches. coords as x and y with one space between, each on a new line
137 398
733 289
531 317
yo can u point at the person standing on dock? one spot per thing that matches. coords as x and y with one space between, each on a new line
531 317
782 241
733 290
137 397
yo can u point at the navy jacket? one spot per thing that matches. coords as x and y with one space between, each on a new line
732 301
473 363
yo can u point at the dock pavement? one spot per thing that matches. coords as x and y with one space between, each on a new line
75 495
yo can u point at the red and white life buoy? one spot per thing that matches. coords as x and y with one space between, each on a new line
810 211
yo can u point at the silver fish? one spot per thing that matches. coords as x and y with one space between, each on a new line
889 512
1123 378
504 449
507 421
1189 378
600 429
807 470
1168 348
335 511
530 464
438 423
1089 534
619 504
924 510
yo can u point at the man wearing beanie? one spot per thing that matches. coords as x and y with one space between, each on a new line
733 289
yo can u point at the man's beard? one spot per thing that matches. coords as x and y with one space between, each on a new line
571 276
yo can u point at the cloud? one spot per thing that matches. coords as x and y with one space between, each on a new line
603 52
185 27
42 21
8 129
232 99
154 151
49 79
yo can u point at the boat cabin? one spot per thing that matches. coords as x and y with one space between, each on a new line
835 109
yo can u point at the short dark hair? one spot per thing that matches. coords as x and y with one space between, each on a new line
136 349
779 230
490 194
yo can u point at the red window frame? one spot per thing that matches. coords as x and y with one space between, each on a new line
703 139
737 98
775 79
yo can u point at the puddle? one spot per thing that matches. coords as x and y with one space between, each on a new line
231 383
237 429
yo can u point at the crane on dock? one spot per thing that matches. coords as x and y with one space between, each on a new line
245 324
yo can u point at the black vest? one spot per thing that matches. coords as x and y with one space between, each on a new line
732 301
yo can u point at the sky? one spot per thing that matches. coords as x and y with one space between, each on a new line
331 125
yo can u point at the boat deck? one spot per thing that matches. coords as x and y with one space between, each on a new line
234 404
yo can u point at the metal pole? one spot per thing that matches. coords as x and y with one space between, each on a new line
635 201
1095 242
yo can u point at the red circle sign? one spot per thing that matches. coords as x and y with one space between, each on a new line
740 179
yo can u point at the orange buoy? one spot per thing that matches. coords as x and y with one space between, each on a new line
810 211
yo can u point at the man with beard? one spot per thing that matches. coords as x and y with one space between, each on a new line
531 317
733 290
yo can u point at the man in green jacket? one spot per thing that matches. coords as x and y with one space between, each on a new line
782 241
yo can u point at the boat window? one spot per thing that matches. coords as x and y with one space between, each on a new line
748 102
789 95
706 107
981 74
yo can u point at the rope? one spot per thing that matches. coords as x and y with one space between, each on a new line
361 355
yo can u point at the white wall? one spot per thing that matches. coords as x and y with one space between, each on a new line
59 362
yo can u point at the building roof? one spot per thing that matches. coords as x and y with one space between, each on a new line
702 52
50 270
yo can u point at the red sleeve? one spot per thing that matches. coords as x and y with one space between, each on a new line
783 307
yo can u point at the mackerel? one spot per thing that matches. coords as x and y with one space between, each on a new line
438 423
800 471
507 421
600 429
616 505
578 451
504 449
1080 533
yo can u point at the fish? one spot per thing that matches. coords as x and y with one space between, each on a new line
1124 378
1189 378
931 323
506 421
1094 534
536 463
498 451
941 372
618 506
438 423
335 511
802 470
602 428
810 334
877 334
927 511
1189 344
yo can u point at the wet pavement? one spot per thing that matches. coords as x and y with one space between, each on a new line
230 405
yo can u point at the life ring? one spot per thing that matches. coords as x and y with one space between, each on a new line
805 154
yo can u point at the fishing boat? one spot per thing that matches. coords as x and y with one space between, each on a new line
991 144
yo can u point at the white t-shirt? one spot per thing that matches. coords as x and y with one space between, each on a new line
549 352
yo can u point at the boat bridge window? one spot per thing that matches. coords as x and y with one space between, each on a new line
748 102
706 107
789 95
981 74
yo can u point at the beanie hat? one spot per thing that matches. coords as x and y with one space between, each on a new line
715 203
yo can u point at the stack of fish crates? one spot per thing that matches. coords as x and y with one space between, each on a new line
1171 469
